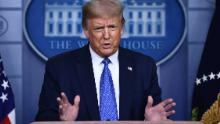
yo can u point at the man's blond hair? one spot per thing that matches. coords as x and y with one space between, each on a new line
102 8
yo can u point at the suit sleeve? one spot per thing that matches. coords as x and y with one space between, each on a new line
48 107
155 89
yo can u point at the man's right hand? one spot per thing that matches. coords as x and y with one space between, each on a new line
67 111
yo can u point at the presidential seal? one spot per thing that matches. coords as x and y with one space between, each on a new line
155 27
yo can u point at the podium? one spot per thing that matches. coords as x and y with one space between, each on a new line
118 122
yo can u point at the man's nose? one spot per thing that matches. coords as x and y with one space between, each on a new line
106 33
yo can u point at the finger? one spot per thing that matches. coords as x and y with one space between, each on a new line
149 102
169 113
60 105
169 106
166 102
61 110
77 101
64 98
59 101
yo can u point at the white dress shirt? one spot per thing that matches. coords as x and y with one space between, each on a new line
98 68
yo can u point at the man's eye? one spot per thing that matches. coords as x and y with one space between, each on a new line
112 27
98 29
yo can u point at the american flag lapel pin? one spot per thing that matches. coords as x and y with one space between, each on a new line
129 68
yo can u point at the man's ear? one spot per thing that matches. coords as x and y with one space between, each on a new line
85 30
122 30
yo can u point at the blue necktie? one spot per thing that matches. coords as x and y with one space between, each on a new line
108 107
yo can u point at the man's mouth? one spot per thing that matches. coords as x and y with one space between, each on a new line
106 45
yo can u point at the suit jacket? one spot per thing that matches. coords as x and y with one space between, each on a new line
72 73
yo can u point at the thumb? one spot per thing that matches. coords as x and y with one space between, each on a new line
149 102
77 101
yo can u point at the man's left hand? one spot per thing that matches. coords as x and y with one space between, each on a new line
159 112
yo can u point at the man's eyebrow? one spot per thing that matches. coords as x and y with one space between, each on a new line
98 23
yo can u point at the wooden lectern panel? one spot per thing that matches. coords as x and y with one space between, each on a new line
118 122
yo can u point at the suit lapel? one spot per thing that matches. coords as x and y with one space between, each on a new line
87 81
126 81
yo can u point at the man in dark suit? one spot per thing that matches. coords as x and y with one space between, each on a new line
73 90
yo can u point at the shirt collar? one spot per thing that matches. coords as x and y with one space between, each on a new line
98 59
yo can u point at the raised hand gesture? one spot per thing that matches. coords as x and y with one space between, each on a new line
68 111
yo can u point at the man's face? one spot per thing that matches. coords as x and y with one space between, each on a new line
104 34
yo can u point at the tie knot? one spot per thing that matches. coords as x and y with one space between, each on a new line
106 61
